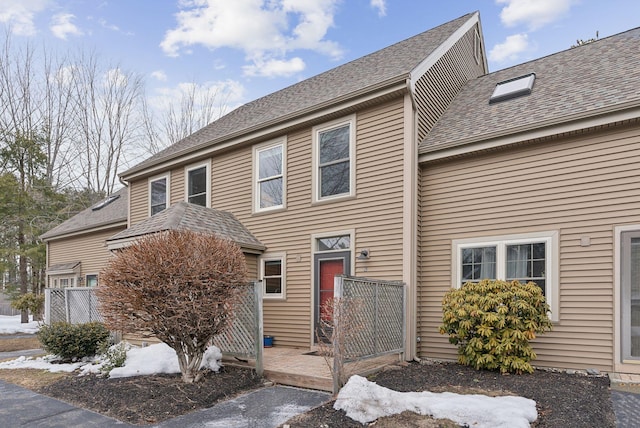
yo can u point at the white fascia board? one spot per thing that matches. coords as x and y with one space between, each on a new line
441 50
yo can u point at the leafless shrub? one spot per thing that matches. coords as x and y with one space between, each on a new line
181 286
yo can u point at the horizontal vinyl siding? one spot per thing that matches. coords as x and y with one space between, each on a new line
138 201
89 249
375 214
581 187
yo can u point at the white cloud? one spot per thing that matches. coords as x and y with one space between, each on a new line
61 26
19 14
159 75
265 30
380 5
533 13
275 67
115 78
510 48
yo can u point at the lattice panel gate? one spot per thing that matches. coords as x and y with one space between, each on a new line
379 314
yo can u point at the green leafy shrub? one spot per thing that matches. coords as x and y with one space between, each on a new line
73 341
113 356
492 323
31 302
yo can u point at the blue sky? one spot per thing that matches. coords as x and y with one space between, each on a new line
249 48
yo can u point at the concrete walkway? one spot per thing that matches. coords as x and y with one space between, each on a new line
263 408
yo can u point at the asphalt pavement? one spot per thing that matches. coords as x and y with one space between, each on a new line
263 408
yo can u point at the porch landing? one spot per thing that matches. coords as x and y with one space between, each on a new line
295 367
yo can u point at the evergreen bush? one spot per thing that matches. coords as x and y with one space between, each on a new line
73 341
492 322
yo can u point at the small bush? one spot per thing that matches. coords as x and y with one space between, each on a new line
73 341
492 323
31 302
113 356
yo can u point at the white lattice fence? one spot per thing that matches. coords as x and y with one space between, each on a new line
379 315
74 304
244 337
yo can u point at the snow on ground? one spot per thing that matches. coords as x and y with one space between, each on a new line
12 325
160 358
366 401
362 400
154 359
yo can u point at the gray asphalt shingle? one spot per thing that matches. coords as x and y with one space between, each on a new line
391 63
112 213
186 216
599 77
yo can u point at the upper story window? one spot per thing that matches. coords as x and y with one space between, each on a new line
269 163
334 159
158 194
198 184
530 257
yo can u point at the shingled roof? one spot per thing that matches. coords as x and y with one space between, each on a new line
111 214
586 81
389 65
186 216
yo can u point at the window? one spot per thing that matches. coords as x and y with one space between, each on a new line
272 274
513 88
269 163
158 194
334 160
530 257
104 202
91 280
198 185
334 243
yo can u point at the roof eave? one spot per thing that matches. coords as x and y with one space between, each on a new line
389 86
111 224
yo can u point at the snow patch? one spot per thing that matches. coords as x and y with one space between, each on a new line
366 401
12 325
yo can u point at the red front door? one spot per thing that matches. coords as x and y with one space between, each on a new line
328 270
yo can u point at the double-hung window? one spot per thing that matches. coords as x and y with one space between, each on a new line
158 194
525 258
269 161
197 183
272 268
334 159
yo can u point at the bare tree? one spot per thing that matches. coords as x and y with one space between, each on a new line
107 100
193 107
179 285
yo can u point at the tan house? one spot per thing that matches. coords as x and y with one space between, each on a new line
76 249
532 173
413 164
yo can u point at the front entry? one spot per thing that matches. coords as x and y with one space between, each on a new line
327 266
630 295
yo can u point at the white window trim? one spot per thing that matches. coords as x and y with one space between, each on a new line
282 257
167 177
315 161
500 242
188 168
86 278
256 175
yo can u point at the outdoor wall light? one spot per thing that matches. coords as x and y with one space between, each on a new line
364 254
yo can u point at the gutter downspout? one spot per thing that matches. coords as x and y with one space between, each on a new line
409 220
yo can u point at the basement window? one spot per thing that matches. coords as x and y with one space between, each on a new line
513 88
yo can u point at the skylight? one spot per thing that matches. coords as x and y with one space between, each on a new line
105 202
513 88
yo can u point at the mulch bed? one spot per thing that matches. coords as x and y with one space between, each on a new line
563 400
151 399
